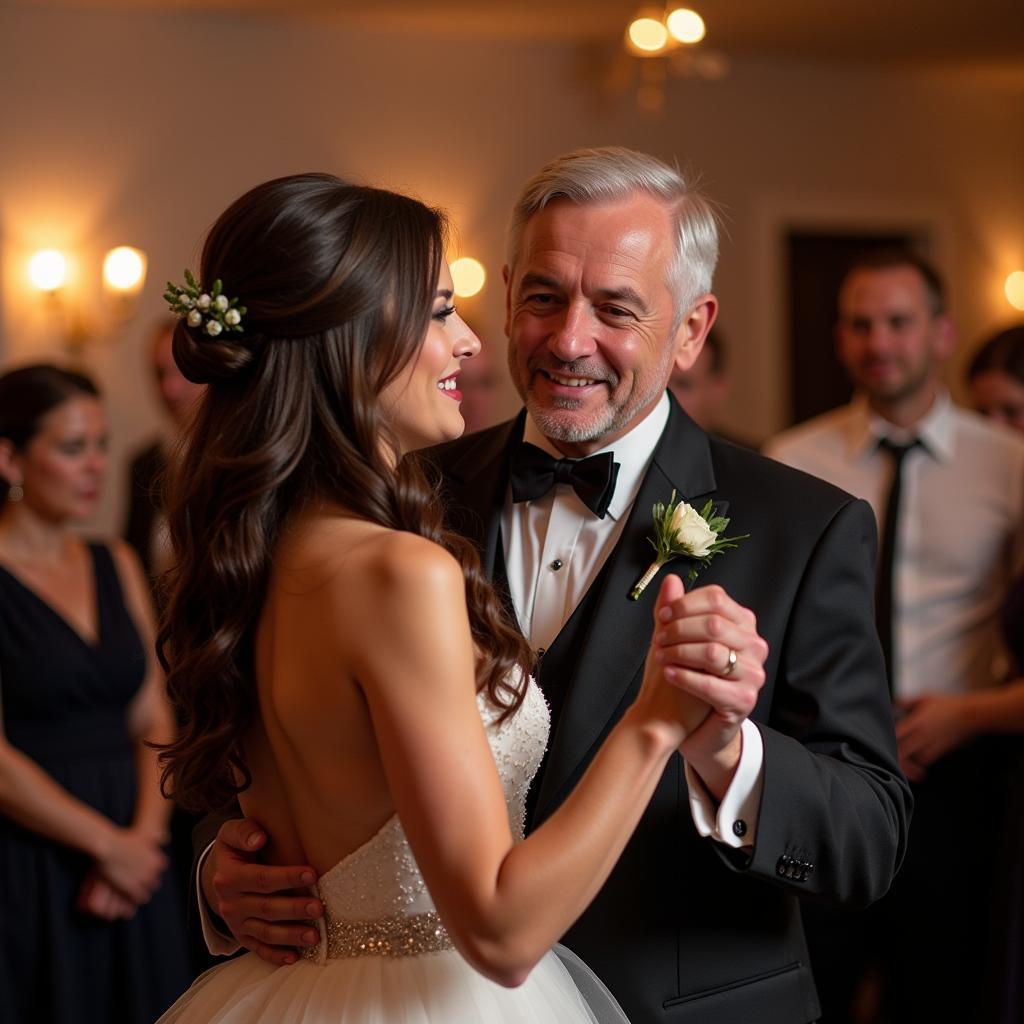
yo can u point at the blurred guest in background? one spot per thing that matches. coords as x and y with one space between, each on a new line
145 529
996 378
702 389
479 383
948 490
90 930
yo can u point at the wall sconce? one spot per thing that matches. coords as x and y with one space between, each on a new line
124 274
468 276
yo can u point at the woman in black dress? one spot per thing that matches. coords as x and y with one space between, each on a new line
90 928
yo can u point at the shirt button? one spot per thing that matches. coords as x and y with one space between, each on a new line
739 828
556 564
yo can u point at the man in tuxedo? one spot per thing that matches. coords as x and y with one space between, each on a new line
788 789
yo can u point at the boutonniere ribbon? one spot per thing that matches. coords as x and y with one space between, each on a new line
680 531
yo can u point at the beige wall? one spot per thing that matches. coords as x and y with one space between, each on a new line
140 128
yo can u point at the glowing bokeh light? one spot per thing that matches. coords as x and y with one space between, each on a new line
685 25
1014 289
468 276
648 35
48 270
124 269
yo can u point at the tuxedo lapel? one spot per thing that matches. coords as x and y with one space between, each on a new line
614 643
476 481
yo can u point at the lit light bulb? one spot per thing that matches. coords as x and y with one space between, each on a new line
648 35
124 269
1014 289
48 270
685 25
468 276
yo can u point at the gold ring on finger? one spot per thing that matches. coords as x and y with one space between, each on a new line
730 664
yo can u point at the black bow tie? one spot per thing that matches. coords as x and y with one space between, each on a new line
534 473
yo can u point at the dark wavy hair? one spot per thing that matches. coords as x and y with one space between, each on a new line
338 281
1003 352
27 394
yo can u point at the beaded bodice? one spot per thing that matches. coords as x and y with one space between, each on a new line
377 890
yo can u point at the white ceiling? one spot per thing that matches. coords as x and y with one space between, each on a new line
922 31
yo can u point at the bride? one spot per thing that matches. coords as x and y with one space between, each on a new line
338 660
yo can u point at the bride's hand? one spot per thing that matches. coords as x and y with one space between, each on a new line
709 647
660 699
132 863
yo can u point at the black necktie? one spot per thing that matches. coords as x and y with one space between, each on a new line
887 552
534 473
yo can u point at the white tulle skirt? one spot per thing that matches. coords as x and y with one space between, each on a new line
436 988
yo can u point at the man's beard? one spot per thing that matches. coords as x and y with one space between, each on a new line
607 420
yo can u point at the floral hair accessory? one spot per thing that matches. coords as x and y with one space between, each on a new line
213 311
681 531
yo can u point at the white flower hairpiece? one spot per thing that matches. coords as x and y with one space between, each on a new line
213 311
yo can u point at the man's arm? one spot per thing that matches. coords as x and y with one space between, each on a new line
835 807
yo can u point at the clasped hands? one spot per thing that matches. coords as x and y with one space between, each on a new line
126 873
706 646
705 667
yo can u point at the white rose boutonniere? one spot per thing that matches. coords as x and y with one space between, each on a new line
681 531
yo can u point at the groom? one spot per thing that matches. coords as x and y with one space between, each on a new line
790 788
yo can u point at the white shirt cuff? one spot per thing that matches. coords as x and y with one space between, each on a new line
217 942
733 821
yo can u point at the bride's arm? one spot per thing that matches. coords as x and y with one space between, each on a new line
504 904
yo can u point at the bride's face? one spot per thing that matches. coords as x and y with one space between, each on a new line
423 401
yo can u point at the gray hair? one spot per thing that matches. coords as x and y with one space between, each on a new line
612 172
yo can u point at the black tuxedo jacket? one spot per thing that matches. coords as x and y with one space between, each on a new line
686 929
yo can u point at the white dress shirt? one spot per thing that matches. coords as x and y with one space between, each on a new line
558 530
960 538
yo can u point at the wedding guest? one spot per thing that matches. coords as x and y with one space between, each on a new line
145 527
947 487
996 378
91 929
479 385
793 791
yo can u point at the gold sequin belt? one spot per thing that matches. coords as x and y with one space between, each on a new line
401 935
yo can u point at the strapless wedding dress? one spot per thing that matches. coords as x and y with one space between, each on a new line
384 956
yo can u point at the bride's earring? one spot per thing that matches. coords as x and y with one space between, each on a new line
15 492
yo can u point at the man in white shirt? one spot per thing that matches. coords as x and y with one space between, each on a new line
791 786
952 537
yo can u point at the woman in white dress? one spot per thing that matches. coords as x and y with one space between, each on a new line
338 659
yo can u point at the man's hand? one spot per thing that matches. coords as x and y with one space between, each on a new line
257 901
711 649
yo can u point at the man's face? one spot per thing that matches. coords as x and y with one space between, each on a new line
589 318
889 339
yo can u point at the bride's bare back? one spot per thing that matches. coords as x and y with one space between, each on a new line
318 784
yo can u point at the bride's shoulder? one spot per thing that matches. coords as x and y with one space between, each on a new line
358 557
